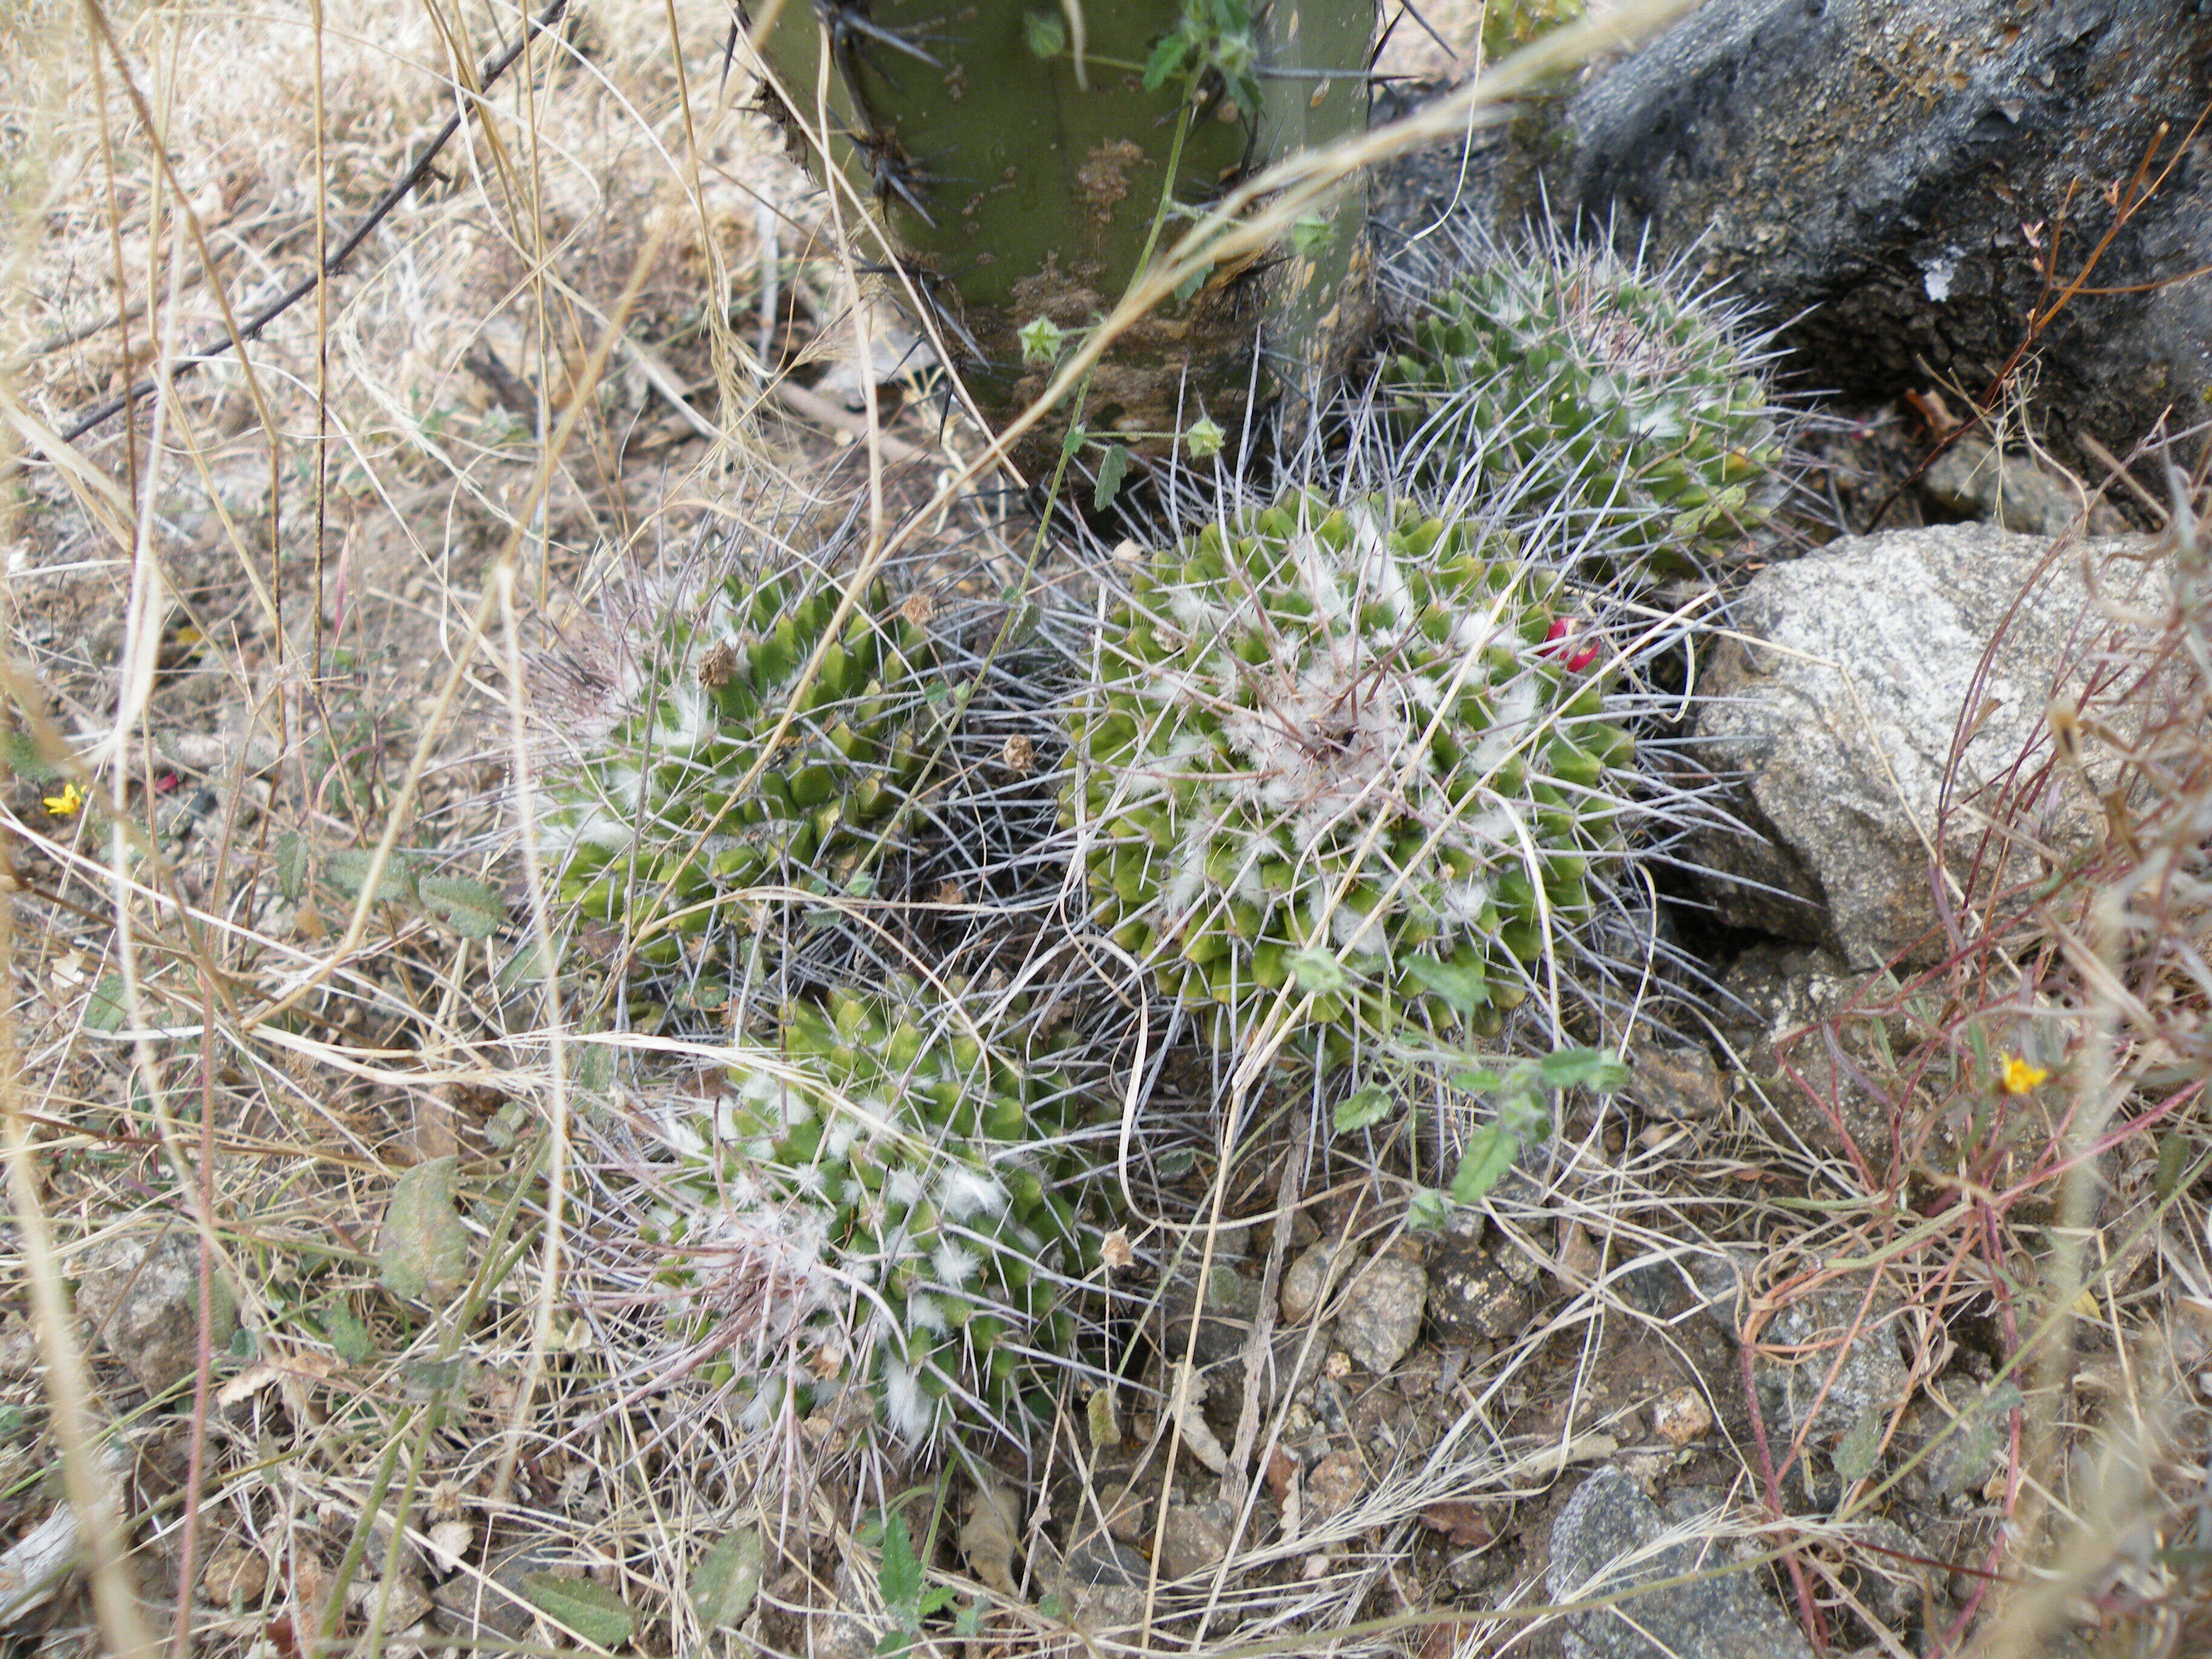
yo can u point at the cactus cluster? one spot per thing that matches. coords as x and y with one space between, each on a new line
1638 408
1357 745
649 825
893 1190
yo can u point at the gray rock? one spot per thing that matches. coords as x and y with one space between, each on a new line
1380 1315
493 1613
143 1297
1975 478
1196 1539
1842 723
1863 168
1305 1280
1103 1583
1224 1325
1872 1376
1604 1541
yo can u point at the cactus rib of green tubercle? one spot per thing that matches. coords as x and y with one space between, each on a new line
912 1184
1017 184
1353 730
650 827
1634 405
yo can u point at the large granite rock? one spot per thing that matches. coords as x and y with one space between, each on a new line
1893 173
1843 717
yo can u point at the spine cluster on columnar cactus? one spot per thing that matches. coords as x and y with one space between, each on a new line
1355 732
894 1191
650 824
1638 408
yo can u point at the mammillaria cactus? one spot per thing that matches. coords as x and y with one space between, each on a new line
888 1199
1637 407
1355 743
648 823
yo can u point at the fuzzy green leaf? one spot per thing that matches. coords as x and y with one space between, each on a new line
1584 1068
1202 439
1045 33
1427 1211
348 871
350 1335
105 1009
1167 57
1463 990
1489 1154
727 1578
595 1612
1112 469
1317 970
1860 1448
424 1249
1363 1109
291 852
472 908
20 758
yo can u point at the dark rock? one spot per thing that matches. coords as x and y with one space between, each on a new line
1609 1520
1872 1376
1975 479
1893 173
1472 1297
1225 1326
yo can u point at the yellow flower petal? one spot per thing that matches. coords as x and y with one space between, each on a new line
2019 1077
67 801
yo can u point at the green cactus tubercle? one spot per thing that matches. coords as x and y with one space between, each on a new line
1352 731
1636 409
651 826
905 1184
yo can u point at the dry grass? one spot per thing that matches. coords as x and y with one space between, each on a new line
299 602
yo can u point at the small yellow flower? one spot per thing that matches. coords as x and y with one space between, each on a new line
2019 1077
65 803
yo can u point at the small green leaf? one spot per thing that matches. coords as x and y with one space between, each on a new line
291 852
1310 235
348 871
1072 444
592 1067
1859 1450
1045 33
1363 1109
19 757
1427 1211
1489 1154
1317 970
2173 1161
1584 1068
1477 1080
727 1578
595 1612
1167 57
423 1249
1190 284
105 1009
1202 439
349 1335
1112 468
899 1580
1463 990
473 909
